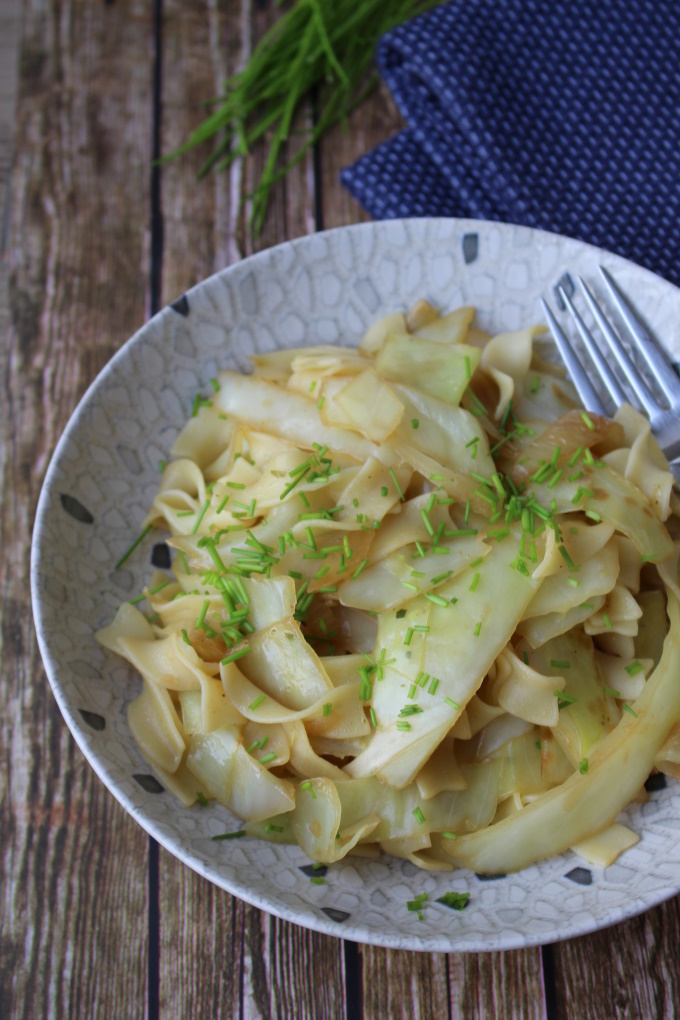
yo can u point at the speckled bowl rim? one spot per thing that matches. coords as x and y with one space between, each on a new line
421 940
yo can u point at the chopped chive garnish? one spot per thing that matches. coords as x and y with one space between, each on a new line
374 721
161 466
611 692
185 637
412 691
134 545
573 581
575 456
201 798
567 558
317 880
448 835
433 685
468 370
414 423
270 827
201 616
454 704
478 628
267 758
426 522
238 654
383 490
307 786
236 485
525 657
565 699
475 581
607 622
230 835
418 815
320 402
408 584
587 421
587 605
455 900
634 668
594 516
409 635
439 578
560 664
583 766
398 487
460 532
535 383
403 725
437 599
627 708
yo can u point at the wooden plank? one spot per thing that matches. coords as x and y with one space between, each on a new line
630 970
499 985
243 962
404 986
73 908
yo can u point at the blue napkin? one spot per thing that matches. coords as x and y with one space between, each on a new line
560 114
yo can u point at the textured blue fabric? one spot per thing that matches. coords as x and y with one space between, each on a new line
560 114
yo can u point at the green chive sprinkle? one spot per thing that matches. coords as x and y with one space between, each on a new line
448 835
478 628
437 599
398 487
134 545
455 900
454 704
627 708
611 692
634 668
414 423
327 709
565 699
230 835
409 635
433 686
418 815
238 654
587 421
583 766
267 758
560 664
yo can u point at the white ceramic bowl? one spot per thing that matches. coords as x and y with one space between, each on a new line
326 288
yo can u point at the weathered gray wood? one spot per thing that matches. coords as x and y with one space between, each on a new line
74 906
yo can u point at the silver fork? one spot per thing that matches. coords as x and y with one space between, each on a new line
665 421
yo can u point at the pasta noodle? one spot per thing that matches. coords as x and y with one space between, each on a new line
420 603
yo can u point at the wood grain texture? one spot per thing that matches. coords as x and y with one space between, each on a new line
73 907
627 971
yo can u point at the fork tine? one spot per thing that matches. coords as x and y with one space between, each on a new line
590 399
608 377
660 366
644 394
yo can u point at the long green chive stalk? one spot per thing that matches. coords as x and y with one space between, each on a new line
319 50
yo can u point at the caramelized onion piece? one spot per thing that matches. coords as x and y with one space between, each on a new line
569 433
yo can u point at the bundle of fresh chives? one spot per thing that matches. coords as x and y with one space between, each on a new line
318 49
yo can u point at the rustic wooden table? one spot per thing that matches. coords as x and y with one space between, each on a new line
96 921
